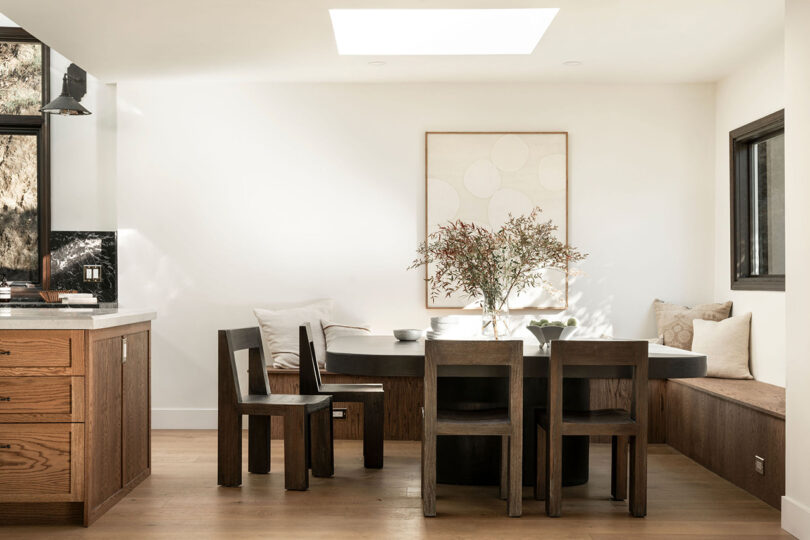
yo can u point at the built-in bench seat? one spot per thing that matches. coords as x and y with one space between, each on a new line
763 397
725 424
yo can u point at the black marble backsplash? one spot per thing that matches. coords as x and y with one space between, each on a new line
72 250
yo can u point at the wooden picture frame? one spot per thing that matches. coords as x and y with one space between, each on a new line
559 215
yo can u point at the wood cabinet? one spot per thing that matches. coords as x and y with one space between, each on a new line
74 421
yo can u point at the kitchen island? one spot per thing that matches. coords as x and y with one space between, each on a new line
74 411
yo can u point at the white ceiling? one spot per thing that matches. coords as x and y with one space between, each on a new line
291 40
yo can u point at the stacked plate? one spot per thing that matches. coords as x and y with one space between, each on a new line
445 328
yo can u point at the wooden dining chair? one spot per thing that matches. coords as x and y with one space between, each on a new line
506 423
301 414
371 395
623 426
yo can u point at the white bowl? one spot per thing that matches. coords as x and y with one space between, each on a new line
443 324
408 334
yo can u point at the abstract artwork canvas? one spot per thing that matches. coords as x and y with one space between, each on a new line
484 177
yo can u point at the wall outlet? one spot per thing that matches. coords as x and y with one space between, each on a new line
759 465
339 413
91 273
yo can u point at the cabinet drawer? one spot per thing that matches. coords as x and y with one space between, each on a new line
41 399
41 352
41 462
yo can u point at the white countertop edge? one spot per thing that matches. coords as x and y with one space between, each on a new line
71 319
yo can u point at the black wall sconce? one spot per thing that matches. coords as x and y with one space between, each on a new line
74 87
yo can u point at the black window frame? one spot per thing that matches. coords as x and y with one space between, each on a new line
40 126
740 141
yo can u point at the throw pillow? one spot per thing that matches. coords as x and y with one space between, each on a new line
279 330
333 330
675 322
725 344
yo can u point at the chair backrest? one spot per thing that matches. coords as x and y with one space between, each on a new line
231 341
601 353
475 353
309 377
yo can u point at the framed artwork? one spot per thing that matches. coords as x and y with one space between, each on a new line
484 177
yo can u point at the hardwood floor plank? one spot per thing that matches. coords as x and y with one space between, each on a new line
181 500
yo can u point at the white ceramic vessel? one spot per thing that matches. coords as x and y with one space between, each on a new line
408 334
546 334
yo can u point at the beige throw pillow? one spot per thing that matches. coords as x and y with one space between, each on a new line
725 344
333 330
279 330
675 322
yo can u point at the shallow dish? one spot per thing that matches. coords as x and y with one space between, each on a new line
546 334
408 334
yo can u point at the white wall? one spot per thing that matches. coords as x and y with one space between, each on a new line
796 502
747 95
83 158
234 196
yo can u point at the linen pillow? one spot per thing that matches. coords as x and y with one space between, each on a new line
725 344
279 330
675 322
333 330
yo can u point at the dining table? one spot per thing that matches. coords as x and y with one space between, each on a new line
476 460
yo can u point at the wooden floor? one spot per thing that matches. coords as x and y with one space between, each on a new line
181 500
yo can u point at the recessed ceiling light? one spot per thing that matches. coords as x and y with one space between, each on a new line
572 63
377 63
439 31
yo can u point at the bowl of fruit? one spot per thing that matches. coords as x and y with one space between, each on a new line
546 331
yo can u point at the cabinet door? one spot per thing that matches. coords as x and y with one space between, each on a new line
104 419
136 406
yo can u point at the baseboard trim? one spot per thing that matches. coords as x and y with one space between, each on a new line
795 518
184 419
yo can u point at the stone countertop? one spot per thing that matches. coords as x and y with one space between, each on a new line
72 318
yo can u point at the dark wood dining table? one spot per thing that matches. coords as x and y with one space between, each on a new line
475 460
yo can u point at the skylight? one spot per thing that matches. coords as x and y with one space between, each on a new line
381 32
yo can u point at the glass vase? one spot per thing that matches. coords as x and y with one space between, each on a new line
495 320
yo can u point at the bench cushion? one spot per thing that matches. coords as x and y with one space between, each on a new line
757 395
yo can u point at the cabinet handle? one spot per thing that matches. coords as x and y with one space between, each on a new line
5 446
5 353
5 398
124 350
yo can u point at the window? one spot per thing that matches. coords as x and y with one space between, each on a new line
758 205
24 156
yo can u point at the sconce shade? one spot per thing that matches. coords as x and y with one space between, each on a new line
65 104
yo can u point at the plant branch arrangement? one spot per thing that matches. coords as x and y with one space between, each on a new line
492 266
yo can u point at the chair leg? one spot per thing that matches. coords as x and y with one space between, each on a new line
638 475
229 447
296 474
373 431
504 491
322 443
554 472
515 500
618 468
259 444
540 466
429 475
